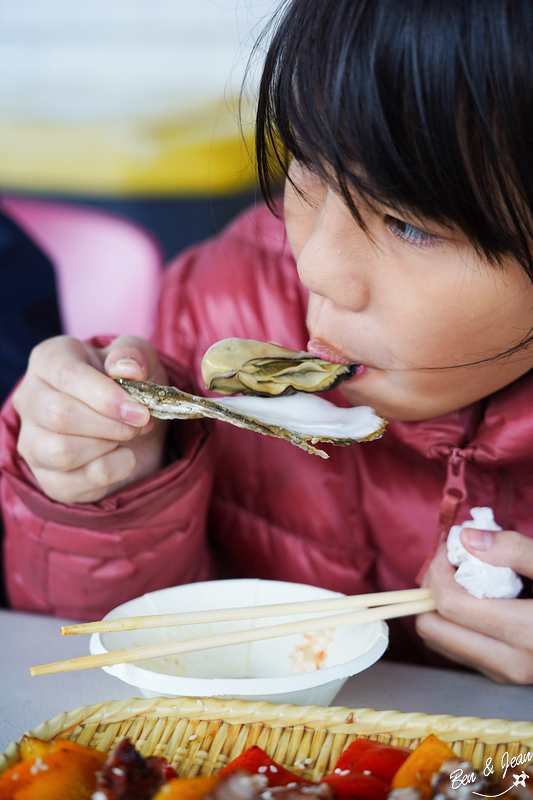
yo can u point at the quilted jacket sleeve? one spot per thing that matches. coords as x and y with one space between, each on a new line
80 561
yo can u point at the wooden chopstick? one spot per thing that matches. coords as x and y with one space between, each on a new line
248 612
236 637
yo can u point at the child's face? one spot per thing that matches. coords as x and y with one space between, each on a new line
402 300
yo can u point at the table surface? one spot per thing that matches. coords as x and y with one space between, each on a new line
31 639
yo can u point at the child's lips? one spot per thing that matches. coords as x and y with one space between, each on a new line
328 353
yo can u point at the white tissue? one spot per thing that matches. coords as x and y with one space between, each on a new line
478 578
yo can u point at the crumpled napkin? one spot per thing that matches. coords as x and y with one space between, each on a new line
478 578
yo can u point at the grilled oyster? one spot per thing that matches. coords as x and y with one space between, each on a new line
246 366
302 419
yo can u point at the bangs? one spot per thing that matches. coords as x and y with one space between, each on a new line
422 105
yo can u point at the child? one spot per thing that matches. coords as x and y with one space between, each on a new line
405 130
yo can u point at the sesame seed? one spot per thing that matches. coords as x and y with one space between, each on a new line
34 769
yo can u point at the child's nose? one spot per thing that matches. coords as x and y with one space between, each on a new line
335 262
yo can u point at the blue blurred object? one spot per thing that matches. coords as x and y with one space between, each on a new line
28 302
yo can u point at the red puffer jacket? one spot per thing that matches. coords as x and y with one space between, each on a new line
240 504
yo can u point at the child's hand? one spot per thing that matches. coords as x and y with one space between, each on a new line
492 636
81 435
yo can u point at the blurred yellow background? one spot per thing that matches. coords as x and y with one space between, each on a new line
126 96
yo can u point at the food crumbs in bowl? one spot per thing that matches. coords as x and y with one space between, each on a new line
310 654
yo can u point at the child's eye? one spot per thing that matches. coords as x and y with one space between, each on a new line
411 234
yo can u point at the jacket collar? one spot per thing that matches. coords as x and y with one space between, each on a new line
497 430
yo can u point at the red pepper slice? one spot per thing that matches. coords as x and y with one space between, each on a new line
365 755
256 761
357 785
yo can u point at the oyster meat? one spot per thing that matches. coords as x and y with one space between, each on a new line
302 419
245 366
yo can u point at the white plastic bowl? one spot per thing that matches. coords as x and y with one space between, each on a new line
259 670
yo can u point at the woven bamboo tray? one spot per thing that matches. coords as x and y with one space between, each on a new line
199 737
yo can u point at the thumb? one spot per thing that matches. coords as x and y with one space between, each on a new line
134 358
501 548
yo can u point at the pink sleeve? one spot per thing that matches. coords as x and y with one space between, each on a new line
81 560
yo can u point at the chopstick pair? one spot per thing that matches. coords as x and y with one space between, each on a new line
376 606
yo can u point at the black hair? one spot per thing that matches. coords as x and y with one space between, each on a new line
424 105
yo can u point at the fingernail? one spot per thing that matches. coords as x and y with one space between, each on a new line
126 366
478 540
127 360
133 413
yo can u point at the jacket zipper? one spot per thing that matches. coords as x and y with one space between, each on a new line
453 494
455 474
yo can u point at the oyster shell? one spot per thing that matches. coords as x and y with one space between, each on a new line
302 419
246 366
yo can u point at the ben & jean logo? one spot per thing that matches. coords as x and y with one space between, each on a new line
461 778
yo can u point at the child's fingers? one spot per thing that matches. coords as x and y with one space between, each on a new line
76 370
497 660
501 548
91 482
62 453
52 410
134 358
508 621
75 419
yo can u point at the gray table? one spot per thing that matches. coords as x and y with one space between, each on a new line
30 639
